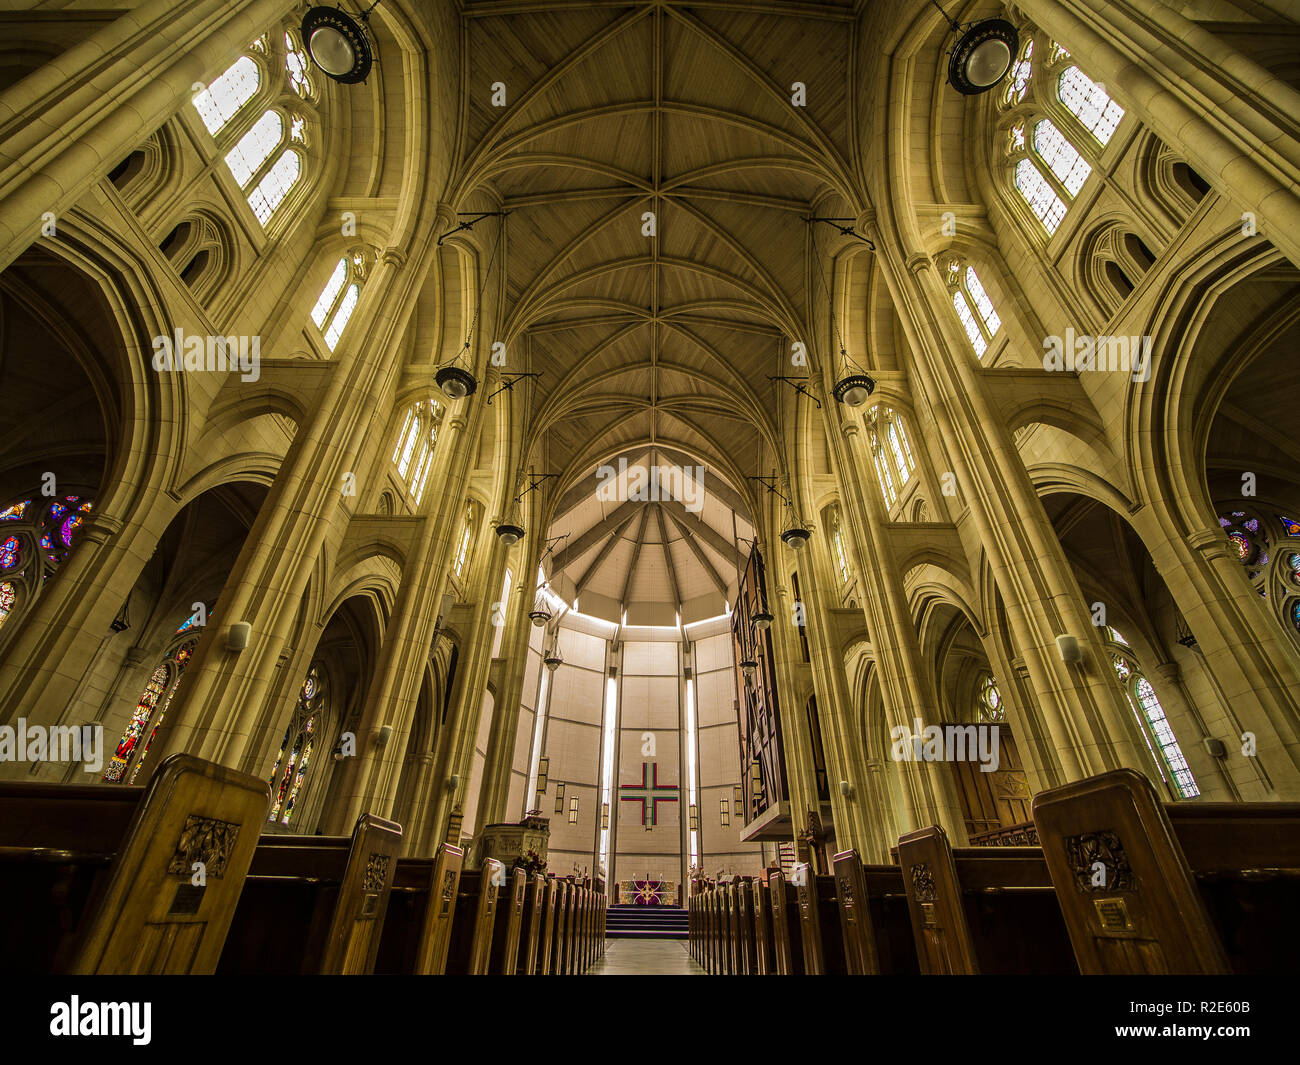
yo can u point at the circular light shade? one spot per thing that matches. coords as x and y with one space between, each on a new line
982 56
854 390
540 617
510 534
795 538
455 381
762 621
553 661
749 667
337 44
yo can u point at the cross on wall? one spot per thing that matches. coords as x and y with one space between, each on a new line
649 795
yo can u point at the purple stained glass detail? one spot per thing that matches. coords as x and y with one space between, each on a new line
1251 523
1225 522
10 551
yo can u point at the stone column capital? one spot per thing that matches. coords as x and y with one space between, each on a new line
1211 543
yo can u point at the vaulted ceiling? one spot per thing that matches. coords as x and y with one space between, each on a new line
662 335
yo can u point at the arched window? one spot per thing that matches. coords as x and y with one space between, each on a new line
151 707
274 187
297 65
975 310
890 451
1018 82
253 148
263 157
221 101
1152 722
841 554
301 738
462 549
1048 170
1089 103
988 702
339 297
35 537
413 455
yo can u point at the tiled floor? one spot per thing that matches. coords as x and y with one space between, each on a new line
646 957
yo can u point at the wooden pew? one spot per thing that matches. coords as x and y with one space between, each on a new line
873 917
743 902
101 879
787 936
1182 888
531 937
819 922
417 926
985 910
563 900
508 924
314 904
474 919
546 942
764 947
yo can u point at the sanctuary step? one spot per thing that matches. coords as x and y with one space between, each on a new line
646 922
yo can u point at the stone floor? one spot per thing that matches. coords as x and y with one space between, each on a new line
646 957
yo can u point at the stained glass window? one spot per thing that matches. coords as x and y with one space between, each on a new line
15 512
1151 714
294 759
10 552
1289 525
989 702
1173 754
151 706
255 147
179 660
1089 103
153 691
7 596
275 186
1037 191
1061 157
221 101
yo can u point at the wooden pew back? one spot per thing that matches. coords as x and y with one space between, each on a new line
1128 895
764 948
417 927
104 877
819 922
787 936
474 919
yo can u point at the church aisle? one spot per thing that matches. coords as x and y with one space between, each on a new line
646 957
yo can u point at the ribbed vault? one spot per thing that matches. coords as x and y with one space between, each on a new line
663 332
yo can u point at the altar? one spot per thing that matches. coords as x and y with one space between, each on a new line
648 892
